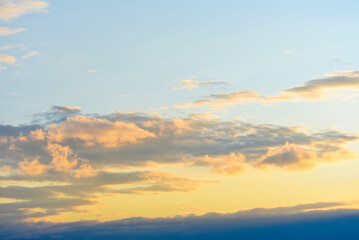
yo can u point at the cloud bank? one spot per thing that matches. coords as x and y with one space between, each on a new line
293 222
77 157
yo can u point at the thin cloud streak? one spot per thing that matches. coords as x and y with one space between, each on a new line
320 89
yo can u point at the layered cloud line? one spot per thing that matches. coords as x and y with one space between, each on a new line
190 84
323 88
306 221
77 157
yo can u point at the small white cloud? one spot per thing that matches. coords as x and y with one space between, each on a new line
30 54
4 31
92 71
190 84
9 46
7 59
14 9
288 51
2 68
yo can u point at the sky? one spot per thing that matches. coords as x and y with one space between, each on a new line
168 112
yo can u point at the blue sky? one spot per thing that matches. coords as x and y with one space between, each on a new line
140 49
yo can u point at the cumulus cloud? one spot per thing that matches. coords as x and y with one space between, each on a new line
11 9
293 157
32 168
230 164
4 31
7 59
63 158
79 152
97 131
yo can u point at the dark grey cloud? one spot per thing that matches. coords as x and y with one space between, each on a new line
55 114
305 221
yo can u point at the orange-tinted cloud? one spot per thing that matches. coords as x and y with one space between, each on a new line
7 59
230 164
14 9
4 31
32 168
98 131
63 158
293 157
316 89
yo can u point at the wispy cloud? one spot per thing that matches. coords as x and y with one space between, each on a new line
191 84
11 9
7 59
320 89
2 68
288 51
30 54
4 31
10 46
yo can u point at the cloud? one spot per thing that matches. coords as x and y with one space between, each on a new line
305 221
235 98
316 89
9 46
4 31
55 114
191 84
92 71
98 131
320 89
135 139
88 156
293 157
230 164
32 168
66 109
2 68
30 54
63 158
11 9
7 59
288 51
75 190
